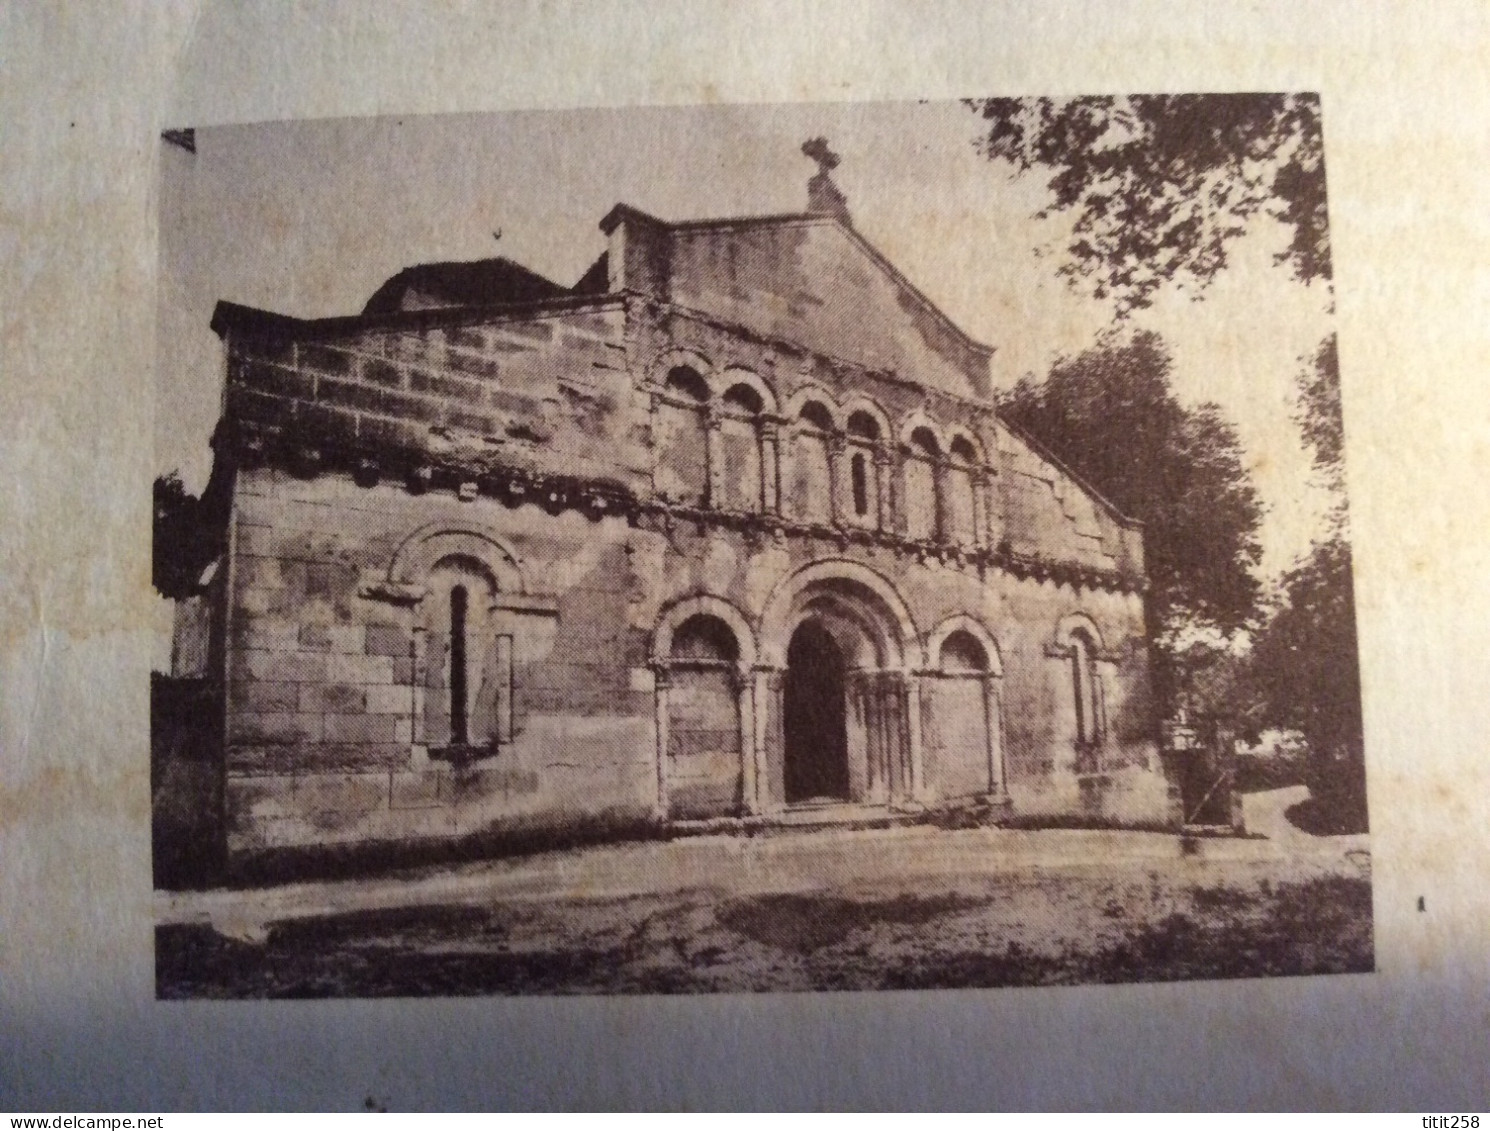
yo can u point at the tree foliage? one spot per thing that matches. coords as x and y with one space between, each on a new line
1305 660
1159 187
1111 416
184 543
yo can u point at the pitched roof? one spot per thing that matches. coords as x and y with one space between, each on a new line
623 212
482 282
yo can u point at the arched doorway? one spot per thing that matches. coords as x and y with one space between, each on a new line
815 719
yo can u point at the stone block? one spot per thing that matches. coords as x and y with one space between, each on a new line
473 422
257 572
280 350
378 372
314 638
346 638
274 633
467 337
279 727
472 365
341 793
285 667
356 756
249 695
332 698
443 385
484 781
388 699
378 399
260 408
340 668
266 797
277 380
329 579
326 359
543 331
386 640
255 760
416 789
361 728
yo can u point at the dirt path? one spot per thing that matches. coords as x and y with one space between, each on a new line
880 909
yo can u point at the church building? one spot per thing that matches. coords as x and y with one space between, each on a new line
728 534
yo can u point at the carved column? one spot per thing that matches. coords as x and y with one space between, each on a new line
743 683
770 430
918 790
979 479
663 679
503 656
900 521
941 524
836 477
763 714
714 456
878 724
993 714
418 647
882 486
774 746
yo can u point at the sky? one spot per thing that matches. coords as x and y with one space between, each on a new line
309 218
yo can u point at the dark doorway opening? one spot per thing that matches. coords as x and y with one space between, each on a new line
816 732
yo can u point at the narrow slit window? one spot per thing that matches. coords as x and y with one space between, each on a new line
459 721
859 475
1084 679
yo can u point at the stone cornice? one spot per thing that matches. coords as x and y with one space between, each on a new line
419 472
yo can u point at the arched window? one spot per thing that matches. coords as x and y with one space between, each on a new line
962 654
680 414
817 415
859 474
706 639
862 426
687 383
961 514
808 480
468 691
460 706
1086 689
921 504
863 434
740 446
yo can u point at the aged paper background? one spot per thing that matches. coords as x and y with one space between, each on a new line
85 93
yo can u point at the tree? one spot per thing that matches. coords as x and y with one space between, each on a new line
1159 187
185 539
1110 415
1305 660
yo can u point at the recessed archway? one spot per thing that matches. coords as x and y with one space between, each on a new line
815 720
842 722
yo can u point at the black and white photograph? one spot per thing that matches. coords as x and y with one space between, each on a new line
732 548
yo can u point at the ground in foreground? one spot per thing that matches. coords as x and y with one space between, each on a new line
1175 920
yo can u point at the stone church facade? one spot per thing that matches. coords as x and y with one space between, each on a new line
729 533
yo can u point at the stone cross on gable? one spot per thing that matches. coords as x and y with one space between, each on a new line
823 196
817 149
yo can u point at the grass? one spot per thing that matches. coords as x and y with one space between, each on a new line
697 942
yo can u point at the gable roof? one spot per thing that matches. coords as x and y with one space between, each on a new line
623 212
